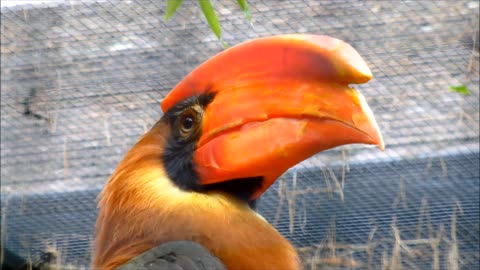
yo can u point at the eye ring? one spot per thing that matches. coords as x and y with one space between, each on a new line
188 122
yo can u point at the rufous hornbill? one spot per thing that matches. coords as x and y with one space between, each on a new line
230 128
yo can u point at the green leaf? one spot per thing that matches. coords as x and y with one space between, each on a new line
244 6
172 6
212 19
462 89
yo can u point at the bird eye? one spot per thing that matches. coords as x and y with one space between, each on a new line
187 122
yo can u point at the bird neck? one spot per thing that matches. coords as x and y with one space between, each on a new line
140 208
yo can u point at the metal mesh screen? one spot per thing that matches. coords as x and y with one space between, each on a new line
81 82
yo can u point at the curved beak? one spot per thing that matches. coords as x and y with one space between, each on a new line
278 100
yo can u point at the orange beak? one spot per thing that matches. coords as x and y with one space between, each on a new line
278 100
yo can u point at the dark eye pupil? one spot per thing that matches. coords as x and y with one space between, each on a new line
187 122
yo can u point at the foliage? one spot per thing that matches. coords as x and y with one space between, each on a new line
209 13
462 89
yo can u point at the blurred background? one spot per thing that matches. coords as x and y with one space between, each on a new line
82 81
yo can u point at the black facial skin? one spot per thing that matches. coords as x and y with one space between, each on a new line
185 121
181 144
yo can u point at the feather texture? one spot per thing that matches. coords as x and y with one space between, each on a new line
141 208
178 255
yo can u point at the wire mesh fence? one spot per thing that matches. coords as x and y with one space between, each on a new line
82 81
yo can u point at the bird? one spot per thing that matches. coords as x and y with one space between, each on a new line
229 129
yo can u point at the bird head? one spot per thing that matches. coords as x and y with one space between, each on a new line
245 116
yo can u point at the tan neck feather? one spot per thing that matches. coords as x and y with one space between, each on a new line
141 208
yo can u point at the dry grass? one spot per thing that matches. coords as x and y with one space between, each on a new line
453 254
401 195
403 253
52 258
290 196
443 165
284 194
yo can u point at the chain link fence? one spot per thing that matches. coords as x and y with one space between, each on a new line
82 81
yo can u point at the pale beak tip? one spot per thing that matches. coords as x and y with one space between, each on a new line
373 130
381 144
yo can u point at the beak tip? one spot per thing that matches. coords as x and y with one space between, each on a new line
377 136
370 126
381 144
